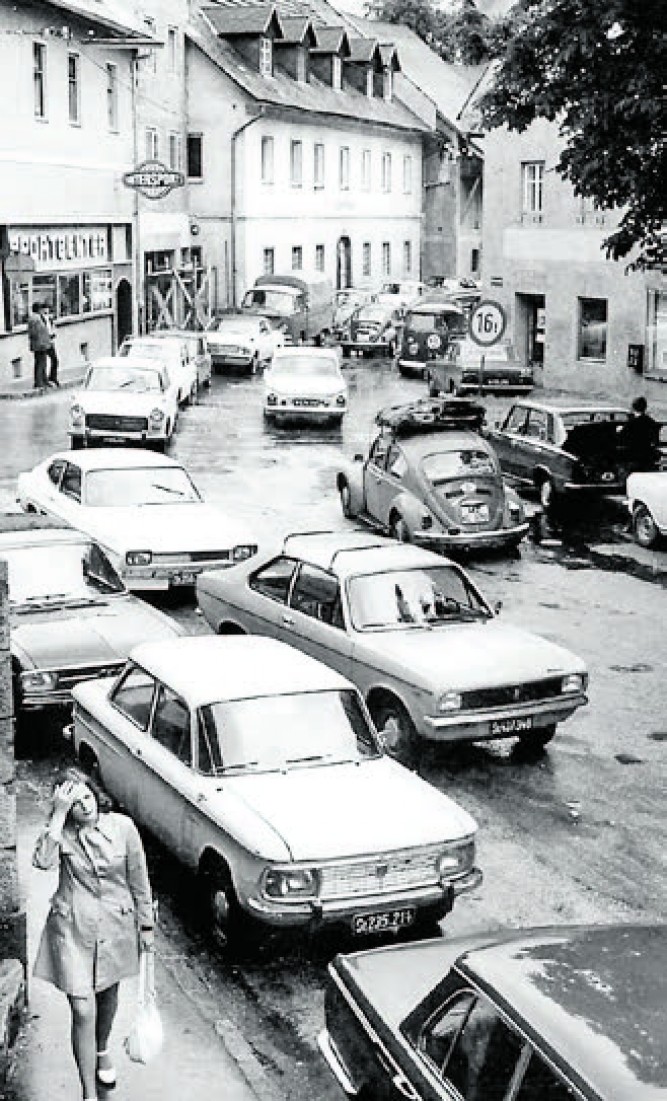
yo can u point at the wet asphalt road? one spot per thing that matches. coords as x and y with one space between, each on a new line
578 835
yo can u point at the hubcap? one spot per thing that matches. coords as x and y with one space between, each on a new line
220 908
644 528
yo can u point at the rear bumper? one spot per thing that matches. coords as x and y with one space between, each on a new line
477 725
364 345
159 578
220 359
305 412
506 537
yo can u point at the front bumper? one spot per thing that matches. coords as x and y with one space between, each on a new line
503 537
518 386
472 726
99 435
316 913
349 345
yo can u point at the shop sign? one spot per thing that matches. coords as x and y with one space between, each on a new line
153 179
54 248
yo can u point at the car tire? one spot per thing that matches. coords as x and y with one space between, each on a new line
89 763
225 921
396 729
254 365
433 388
644 527
399 530
547 493
345 500
537 740
391 349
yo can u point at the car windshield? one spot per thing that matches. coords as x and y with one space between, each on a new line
152 485
427 322
442 466
235 322
271 299
413 597
58 573
371 313
499 353
133 379
305 366
151 350
271 733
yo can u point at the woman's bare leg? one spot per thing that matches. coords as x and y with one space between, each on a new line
107 1005
83 1041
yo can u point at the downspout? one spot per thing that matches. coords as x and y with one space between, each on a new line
235 135
138 306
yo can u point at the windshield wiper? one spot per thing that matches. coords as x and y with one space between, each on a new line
227 769
168 489
315 758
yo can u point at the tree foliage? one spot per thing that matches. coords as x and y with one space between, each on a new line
463 35
596 68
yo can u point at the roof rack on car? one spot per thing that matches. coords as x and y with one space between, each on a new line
312 531
350 550
431 415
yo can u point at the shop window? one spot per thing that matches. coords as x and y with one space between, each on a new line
344 168
74 88
297 258
268 261
39 78
386 258
318 165
319 257
366 170
267 160
97 291
112 97
20 303
366 258
44 291
195 152
592 340
386 171
69 295
296 163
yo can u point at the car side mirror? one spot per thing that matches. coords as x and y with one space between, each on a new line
497 607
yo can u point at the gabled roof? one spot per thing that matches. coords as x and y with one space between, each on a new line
243 19
389 55
365 49
314 97
332 40
116 19
298 30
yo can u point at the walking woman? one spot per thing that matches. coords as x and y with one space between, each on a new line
101 916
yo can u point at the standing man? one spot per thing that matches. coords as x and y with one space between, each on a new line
640 438
51 353
40 342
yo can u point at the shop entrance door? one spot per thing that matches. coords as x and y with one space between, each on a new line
123 311
530 328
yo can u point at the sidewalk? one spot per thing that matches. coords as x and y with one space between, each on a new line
195 1063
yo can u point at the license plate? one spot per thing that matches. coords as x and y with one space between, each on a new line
386 921
475 512
512 726
184 577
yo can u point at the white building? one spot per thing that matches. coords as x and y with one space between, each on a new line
66 139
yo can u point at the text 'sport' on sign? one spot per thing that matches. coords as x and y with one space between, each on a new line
153 179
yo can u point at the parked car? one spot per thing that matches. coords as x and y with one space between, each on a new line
346 301
260 769
176 357
430 478
305 384
561 447
124 401
467 368
400 294
428 653
299 305
647 502
373 328
242 341
196 348
70 616
559 1014
143 510
427 331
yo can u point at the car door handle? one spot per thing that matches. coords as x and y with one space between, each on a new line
288 621
137 752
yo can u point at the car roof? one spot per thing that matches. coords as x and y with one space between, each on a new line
288 351
182 334
596 996
352 553
442 440
566 405
211 668
439 306
135 362
116 458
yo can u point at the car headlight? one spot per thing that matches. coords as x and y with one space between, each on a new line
243 551
157 415
573 682
288 883
37 681
271 399
456 860
139 558
450 701
77 414
340 399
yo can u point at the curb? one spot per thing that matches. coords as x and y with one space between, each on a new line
12 1009
27 395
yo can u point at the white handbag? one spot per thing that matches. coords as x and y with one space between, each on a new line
146 1036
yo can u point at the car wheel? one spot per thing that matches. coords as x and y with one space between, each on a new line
396 729
254 365
433 388
547 493
346 500
644 527
537 739
89 763
225 920
399 529
391 349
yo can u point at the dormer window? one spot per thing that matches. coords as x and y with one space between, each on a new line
388 84
369 83
266 56
301 65
336 72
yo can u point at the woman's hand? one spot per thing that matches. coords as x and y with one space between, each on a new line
146 940
65 796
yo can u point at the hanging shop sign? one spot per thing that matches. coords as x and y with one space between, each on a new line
153 179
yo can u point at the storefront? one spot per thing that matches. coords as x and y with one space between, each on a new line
83 275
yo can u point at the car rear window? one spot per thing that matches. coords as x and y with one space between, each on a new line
445 465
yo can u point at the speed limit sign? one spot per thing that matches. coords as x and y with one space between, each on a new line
487 322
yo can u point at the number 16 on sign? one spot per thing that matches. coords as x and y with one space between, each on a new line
487 323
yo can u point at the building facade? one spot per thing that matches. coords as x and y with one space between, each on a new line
587 323
66 228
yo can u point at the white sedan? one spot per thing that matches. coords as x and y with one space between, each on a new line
260 769
143 510
124 401
647 502
243 341
176 357
305 384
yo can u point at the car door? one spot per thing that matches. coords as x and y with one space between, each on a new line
44 487
67 501
508 442
374 477
314 621
121 750
265 341
534 448
263 610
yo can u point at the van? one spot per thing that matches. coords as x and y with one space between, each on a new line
300 306
429 327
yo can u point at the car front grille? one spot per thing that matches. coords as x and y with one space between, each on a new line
512 694
177 558
108 423
380 875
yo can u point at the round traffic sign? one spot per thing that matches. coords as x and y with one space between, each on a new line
487 322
